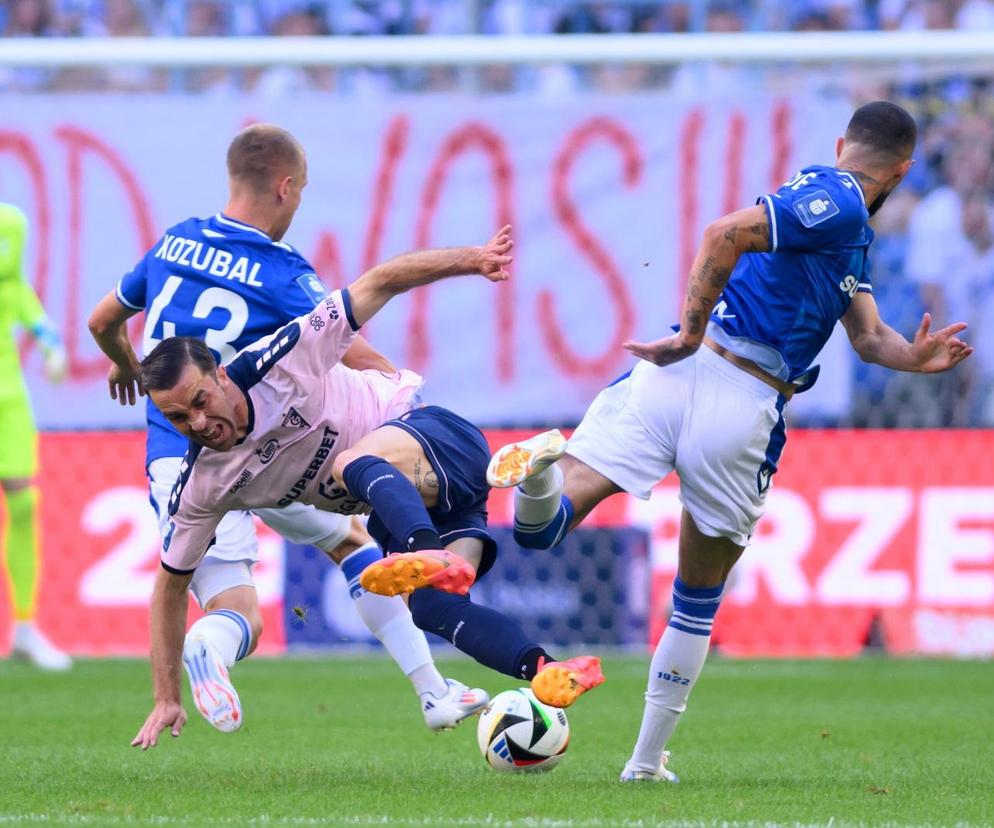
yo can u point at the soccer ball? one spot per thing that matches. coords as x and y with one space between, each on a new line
517 732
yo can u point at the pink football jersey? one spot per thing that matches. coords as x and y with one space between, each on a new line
305 407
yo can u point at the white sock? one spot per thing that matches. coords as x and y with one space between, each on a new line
536 501
390 621
427 679
546 482
675 666
227 631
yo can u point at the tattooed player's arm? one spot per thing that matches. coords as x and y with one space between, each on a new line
725 240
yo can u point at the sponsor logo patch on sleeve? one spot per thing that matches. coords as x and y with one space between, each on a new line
312 286
814 208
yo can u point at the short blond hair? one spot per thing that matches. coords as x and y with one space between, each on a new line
262 151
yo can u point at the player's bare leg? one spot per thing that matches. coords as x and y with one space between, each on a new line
387 459
704 565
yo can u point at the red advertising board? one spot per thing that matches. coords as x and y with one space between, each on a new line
894 528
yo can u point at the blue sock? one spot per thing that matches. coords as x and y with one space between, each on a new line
694 607
394 499
491 638
547 535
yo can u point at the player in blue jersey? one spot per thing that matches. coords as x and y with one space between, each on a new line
230 279
767 286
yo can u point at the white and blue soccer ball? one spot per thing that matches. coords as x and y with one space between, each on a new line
517 732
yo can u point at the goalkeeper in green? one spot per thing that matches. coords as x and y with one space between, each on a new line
19 306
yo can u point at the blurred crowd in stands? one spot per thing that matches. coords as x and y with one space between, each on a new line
116 18
935 244
327 18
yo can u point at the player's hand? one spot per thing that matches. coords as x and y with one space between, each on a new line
163 715
56 364
941 350
495 256
124 385
664 351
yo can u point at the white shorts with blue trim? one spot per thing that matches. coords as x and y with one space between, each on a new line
230 559
718 427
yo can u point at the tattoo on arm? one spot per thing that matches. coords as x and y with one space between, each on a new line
694 322
709 278
760 243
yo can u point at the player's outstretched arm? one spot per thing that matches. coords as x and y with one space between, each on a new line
362 356
877 342
168 627
109 326
725 240
377 286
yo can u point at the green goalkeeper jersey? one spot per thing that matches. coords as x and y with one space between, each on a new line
19 304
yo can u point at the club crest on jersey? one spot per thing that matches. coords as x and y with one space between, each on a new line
268 451
316 321
815 208
294 420
312 287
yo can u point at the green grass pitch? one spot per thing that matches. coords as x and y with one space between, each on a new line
336 741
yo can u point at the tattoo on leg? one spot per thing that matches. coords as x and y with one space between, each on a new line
427 482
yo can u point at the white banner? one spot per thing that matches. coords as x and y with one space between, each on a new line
608 198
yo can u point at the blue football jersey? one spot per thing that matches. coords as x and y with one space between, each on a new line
779 308
223 281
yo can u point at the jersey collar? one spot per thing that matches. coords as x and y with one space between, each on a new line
223 220
859 187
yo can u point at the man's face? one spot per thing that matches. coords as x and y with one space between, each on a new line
201 407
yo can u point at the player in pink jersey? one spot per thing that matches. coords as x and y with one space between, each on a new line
180 294
285 422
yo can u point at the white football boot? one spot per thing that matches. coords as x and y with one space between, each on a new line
516 462
630 774
213 693
32 644
457 704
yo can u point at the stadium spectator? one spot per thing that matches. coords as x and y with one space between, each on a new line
978 274
28 18
284 81
208 18
19 306
950 275
916 15
731 79
975 14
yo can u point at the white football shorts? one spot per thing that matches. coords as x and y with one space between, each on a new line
719 428
229 561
